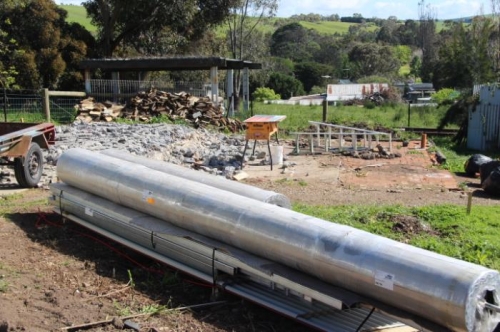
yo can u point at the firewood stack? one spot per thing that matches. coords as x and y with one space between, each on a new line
145 106
88 111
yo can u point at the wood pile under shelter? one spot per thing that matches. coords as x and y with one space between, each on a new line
145 106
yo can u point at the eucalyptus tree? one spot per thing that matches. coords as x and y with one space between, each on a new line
427 40
245 41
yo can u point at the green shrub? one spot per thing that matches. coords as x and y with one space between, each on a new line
264 93
369 104
445 96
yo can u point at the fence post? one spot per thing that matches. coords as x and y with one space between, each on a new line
46 104
5 104
325 110
409 114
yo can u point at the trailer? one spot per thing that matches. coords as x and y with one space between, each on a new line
21 147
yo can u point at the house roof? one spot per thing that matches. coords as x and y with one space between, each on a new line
421 86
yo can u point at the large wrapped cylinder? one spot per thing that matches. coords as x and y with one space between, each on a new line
453 293
201 177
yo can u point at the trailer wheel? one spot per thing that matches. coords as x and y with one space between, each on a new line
29 174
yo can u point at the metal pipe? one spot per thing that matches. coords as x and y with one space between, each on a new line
444 290
201 177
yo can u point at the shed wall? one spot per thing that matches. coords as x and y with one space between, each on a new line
484 121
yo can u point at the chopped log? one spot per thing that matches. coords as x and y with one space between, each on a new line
199 111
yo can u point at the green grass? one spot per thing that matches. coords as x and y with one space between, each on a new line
17 202
4 286
78 14
390 116
328 27
456 156
473 238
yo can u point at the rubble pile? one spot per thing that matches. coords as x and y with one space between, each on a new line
146 106
378 153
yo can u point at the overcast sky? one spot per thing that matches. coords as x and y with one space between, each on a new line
444 9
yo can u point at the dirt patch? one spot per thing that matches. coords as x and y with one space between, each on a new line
54 273
321 178
411 225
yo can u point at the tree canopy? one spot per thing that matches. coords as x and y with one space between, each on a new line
47 49
125 21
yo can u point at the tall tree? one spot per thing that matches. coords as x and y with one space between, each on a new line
368 59
7 44
292 41
427 40
124 21
311 74
407 33
245 16
464 58
47 47
495 43
388 31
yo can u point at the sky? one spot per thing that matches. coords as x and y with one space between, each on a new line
443 9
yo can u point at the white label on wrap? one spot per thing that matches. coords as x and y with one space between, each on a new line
89 211
384 280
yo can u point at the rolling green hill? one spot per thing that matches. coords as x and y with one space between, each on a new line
78 14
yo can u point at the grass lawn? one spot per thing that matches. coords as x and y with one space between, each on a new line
473 238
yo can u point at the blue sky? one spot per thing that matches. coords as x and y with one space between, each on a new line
444 9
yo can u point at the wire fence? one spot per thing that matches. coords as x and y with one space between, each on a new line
28 105
120 91
21 106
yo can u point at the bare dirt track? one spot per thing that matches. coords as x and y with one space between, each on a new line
55 274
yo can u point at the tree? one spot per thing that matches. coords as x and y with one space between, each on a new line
330 51
47 48
427 40
244 16
311 73
7 71
415 66
291 41
123 21
286 86
387 32
407 33
464 58
495 43
369 59
263 93
403 53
